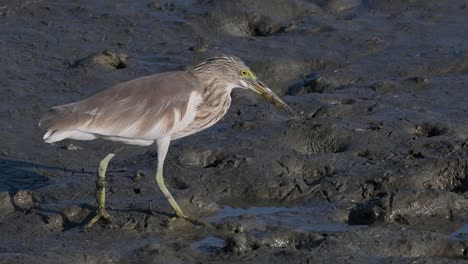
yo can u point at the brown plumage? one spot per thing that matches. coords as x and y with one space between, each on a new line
137 104
160 107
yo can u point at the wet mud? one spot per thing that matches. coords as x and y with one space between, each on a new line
372 169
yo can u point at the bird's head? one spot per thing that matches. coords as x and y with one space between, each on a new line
236 74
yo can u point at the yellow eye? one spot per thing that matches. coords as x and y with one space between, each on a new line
244 73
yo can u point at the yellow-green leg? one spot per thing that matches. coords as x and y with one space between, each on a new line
168 195
179 213
163 146
101 192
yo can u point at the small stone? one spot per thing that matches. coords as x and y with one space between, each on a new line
111 59
76 214
106 58
23 199
54 221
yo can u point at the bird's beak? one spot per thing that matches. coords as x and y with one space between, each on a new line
263 90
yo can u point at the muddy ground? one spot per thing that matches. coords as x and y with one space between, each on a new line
373 169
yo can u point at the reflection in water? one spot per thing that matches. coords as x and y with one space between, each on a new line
228 211
461 233
305 218
209 244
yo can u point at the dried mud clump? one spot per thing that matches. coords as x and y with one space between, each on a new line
20 201
405 207
313 84
245 242
309 138
261 26
106 58
205 158
446 174
430 129
367 213
418 82
253 26
386 86
260 18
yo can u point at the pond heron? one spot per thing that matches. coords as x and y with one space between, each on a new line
156 108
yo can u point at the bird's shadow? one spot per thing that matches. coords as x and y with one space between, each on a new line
22 175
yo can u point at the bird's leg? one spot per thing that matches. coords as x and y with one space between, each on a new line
101 192
168 195
163 146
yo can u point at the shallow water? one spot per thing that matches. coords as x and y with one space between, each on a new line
301 218
209 244
229 212
460 233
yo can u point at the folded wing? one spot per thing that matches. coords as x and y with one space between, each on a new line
135 112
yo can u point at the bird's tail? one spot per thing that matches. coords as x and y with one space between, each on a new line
50 122
52 136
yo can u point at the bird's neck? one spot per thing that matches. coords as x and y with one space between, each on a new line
216 92
217 95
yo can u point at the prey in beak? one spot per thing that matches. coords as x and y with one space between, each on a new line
260 88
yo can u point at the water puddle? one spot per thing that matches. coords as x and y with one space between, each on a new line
209 244
302 218
461 233
228 212
305 218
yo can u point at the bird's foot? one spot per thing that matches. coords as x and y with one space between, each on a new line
101 214
188 219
